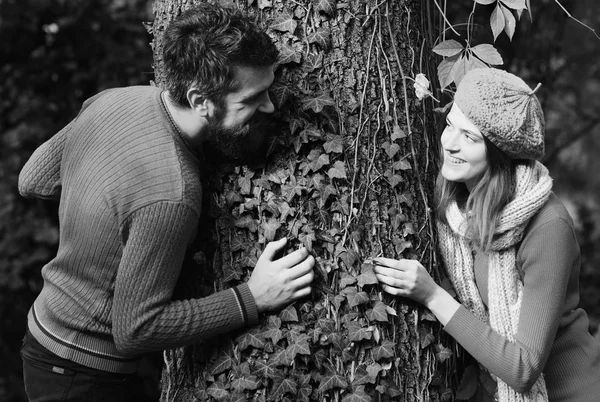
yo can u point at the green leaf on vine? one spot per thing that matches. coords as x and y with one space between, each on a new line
488 54
468 383
304 388
270 227
361 377
448 48
266 370
515 4
326 6
289 191
300 346
244 383
318 160
322 37
346 280
288 54
335 143
284 22
246 221
359 395
390 149
397 133
332 381
337 171
280 93
289 314
317 103
223 362
355 297
218 391
378 312
384 351
402 164
245 182
442 353
251 338
237 397
312 61
367 276
281 386
280 358
426 337
358 332
328 191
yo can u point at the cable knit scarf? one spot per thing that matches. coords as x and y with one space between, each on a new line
505 284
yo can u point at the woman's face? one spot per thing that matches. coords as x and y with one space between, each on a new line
465 156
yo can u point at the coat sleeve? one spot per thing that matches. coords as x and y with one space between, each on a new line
548 255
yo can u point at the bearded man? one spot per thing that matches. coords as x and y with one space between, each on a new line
127 174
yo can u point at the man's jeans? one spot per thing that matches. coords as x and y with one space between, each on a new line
49 377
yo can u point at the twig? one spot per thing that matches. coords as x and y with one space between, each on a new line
444 16
576 20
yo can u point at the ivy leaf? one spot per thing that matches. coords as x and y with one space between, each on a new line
357 332
318 160
307 240
246 221
223 362
284 22
346 280
361 377
304 388
245 182
266 370
332 381
338 170
426 337
237 397
442 353
274 334
243 383
217 390
334 144
270 227
397 133
317 103
327 192
448 48
300 346
384 351
250 338
281 358
280 93
390 149
288 54
289 314
402 164
488 54
292 189
379 312
367 276
355 297
327 6
312 62
321 37
359 395
283 386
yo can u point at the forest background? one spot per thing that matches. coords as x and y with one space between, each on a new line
57 53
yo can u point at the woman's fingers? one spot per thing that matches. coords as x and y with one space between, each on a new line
389 262
389 272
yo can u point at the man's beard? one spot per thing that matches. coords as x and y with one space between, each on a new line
245 143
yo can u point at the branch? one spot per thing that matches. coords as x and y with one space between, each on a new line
576 20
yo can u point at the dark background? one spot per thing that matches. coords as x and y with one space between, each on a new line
57 53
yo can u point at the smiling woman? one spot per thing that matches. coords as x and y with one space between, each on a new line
509 247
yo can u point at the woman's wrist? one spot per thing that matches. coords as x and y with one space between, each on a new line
442 305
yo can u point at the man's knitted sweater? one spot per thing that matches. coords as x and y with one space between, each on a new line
553 334
130 199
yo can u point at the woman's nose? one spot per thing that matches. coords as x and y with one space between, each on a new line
448 139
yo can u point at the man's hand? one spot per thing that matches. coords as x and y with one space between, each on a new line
275 283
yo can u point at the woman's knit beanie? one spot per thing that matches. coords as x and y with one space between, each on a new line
505 110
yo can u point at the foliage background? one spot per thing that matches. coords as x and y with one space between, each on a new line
56 53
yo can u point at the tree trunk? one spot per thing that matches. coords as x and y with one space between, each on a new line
352 178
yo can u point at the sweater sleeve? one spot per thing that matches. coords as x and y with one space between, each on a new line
144 316
548 254
40 177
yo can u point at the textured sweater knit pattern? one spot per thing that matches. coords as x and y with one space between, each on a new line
130 196
505 286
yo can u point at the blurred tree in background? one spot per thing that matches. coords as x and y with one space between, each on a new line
56 53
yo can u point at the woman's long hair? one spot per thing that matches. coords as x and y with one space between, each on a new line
486 200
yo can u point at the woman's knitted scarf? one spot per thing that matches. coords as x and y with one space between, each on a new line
505 293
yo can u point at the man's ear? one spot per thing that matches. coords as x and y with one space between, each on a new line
200 103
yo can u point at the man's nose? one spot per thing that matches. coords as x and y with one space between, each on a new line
266 105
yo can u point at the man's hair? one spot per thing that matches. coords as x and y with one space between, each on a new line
204 45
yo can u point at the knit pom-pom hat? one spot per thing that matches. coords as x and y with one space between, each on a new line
505 109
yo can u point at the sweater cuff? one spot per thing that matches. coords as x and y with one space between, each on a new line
247 304
458 323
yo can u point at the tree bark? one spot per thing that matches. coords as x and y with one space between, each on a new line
351 178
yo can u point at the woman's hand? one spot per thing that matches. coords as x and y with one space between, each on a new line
408 278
